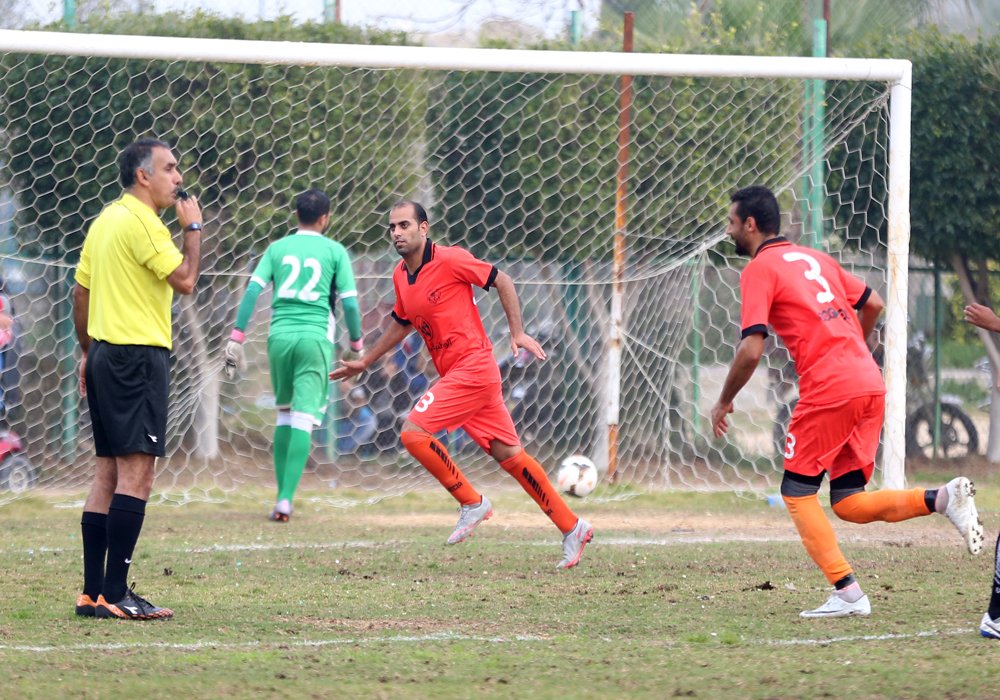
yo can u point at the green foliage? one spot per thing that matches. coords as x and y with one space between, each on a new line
954 210
956 146
529 164
249 136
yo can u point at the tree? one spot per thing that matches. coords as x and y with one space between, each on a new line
248 136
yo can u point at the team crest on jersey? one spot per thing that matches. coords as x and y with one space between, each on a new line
423 327
434 296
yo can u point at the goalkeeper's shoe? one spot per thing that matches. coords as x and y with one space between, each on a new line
282 511
468 518
573 543
838 607
961 511
131 607
989 628
85 605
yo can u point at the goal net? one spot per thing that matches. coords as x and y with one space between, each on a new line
625 274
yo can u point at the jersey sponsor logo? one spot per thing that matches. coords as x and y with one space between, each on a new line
829 314
440 346
423 327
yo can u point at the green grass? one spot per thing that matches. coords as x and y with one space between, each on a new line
680 595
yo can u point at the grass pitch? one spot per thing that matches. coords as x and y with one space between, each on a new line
679 595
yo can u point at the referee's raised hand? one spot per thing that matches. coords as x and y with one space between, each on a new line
188 211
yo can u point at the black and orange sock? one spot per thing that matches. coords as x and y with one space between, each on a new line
533 480
887 505
427 450
94 533
818 537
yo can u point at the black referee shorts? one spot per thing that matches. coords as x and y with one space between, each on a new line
127 387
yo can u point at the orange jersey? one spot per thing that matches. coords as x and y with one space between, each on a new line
810 301
438 301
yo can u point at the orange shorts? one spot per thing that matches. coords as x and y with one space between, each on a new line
835 438
470 401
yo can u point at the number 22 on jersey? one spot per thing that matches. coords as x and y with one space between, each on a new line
289 289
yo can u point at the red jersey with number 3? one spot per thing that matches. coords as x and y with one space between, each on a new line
438 300
811 301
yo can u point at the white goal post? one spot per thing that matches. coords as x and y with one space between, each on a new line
521 158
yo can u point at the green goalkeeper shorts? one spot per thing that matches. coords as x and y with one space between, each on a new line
300 372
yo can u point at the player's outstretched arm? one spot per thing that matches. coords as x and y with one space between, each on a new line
745 363
392 337
512 309
982 316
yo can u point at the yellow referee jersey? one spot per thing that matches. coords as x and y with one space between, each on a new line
126 259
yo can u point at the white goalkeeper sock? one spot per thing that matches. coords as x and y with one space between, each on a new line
851 593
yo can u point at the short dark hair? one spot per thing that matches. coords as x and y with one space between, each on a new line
311 205
137 155
418 209
760 203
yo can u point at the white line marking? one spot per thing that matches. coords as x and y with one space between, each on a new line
867 637
438 637
278 643
681 538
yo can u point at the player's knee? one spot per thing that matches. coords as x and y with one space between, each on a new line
503 452
799 486
411 427
848 510
843 497
413 438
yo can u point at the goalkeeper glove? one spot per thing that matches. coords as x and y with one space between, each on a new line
235 362
356 352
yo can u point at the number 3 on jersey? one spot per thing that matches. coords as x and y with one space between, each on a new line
424 403
812 273
288 287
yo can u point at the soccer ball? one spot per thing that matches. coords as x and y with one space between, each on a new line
577 476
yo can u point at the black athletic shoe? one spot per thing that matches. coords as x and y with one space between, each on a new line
131 607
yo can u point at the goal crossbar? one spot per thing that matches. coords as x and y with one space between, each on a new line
438 58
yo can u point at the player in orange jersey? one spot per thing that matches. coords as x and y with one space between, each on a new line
824 314
434 295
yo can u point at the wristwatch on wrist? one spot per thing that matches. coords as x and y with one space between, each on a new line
192 227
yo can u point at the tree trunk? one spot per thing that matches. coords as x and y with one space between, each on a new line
204 382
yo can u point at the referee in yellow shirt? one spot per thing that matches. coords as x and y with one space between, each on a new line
128 272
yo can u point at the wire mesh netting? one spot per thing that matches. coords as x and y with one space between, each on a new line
520 168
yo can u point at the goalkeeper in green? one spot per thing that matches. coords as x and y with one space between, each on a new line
309 273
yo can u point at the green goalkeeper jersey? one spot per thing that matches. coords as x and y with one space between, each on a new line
309 272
